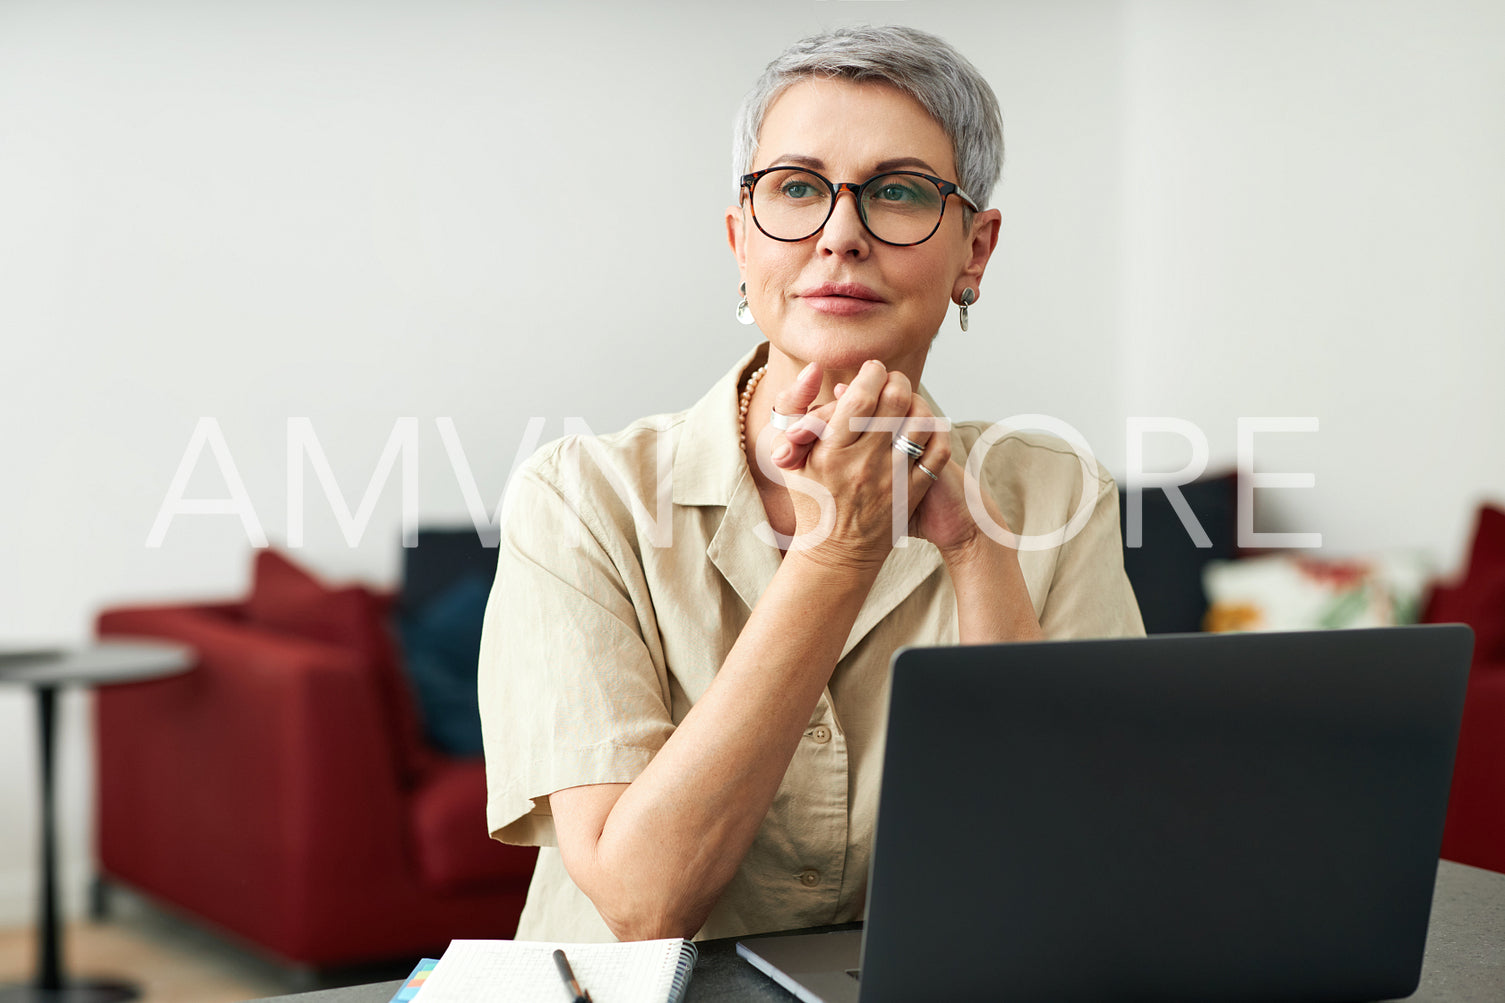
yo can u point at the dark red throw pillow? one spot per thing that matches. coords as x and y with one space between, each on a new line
1488 615
1479 600
288 599
1487 553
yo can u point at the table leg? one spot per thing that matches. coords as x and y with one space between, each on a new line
49 950
50 985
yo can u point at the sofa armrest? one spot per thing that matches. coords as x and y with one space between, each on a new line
271 751
1475 831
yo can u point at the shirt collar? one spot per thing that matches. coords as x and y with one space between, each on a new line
709 460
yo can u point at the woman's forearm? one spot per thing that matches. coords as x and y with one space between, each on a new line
676 835
655 855
992 602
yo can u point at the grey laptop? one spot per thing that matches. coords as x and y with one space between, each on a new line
1206 817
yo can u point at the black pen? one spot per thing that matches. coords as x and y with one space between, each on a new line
577 995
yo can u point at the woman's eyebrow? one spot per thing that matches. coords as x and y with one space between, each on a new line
899 163
892 164
800 160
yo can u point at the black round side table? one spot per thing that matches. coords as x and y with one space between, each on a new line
46 672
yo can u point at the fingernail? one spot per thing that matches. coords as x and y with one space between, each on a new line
782 452
809 368
839 389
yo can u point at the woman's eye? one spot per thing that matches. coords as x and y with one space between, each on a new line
895 193
798 190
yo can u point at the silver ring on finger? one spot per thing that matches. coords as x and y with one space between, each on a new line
926 471
782 421
908 446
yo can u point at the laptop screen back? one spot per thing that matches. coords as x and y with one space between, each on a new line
1181 817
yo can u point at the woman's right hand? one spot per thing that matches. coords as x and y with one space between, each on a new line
841 478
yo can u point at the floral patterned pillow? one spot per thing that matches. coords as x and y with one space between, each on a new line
1298 592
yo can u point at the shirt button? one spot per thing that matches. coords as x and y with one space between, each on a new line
820 734
809 877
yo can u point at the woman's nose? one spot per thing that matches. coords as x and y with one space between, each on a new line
844 232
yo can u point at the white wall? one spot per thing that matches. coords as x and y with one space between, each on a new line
360 211
1315 225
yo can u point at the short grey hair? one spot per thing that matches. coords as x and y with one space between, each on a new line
916 62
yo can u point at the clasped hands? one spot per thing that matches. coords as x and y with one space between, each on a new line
839 462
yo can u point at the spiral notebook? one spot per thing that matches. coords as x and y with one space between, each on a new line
503 971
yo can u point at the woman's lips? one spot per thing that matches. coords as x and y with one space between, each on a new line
841 299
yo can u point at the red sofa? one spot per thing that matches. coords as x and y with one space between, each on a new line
281 791
1475 832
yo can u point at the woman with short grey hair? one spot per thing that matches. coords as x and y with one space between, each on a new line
683 705
947 86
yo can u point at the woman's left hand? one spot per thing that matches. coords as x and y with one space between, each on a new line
993 602
943 516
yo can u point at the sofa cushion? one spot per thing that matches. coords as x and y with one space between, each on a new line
1480 603
442 558
449 832
1298 591
441 642
1479 599
287 599
1487 552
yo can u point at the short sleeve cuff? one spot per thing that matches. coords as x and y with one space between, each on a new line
519 813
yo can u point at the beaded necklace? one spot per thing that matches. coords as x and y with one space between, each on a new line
745 400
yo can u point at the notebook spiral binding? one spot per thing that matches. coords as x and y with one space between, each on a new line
681 984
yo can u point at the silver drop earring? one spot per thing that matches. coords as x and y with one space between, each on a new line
968 296
744 312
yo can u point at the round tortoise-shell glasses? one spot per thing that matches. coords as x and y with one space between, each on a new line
901 208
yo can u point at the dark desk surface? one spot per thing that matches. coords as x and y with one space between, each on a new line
1465 959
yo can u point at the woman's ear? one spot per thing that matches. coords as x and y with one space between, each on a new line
982 239
736 235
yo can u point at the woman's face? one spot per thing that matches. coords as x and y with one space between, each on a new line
896 297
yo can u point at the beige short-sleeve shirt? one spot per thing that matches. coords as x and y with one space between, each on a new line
628 565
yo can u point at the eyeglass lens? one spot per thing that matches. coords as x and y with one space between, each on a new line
791 204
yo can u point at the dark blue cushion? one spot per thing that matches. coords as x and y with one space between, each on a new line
1166 570
441 558
441 640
